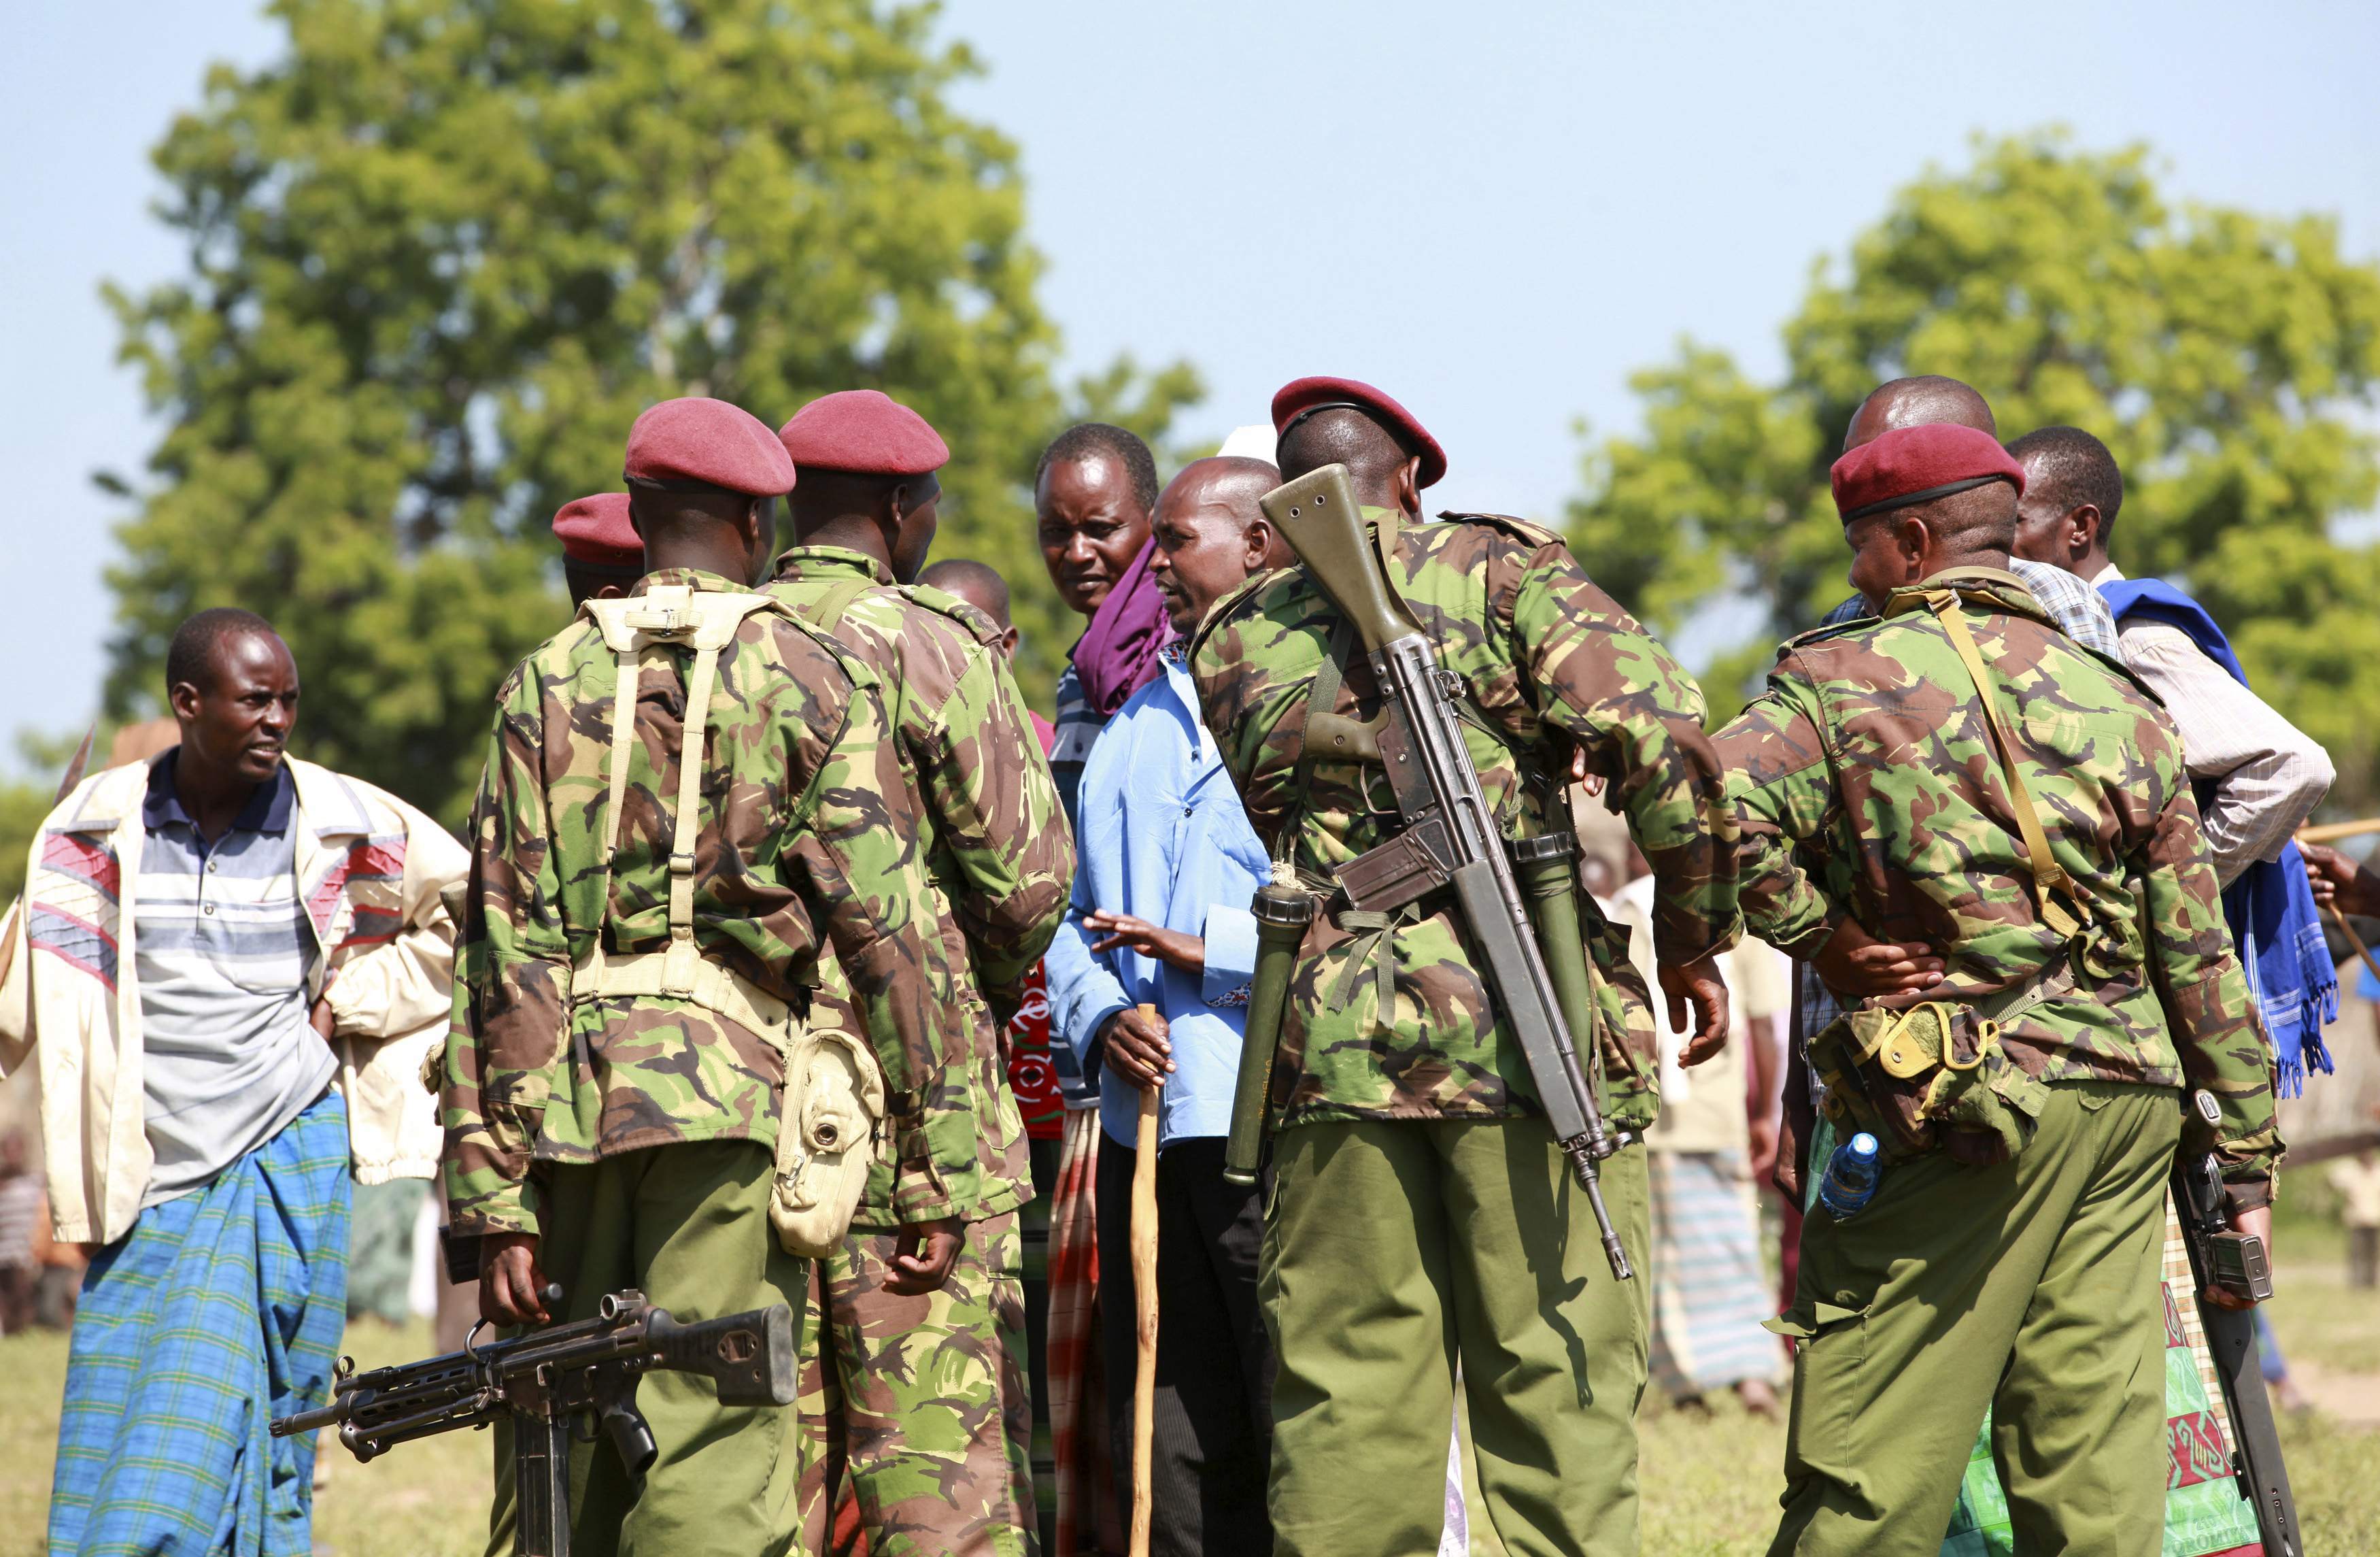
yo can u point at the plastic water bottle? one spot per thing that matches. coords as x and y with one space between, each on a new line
1851 1175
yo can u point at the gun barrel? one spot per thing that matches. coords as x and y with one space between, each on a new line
329 1415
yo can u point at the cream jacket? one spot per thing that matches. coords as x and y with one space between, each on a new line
371 870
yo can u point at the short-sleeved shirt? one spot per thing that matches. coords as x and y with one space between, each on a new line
228 1055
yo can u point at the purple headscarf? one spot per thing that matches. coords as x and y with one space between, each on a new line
1117 653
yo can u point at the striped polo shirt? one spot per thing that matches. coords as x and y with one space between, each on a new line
228 1055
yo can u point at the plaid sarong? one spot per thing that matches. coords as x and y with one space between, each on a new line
1088 1518
1710 1293
220 1310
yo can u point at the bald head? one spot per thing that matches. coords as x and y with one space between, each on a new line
1925 400
1211 535
1379 466
980 586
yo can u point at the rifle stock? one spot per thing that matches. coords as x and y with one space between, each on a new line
1318 516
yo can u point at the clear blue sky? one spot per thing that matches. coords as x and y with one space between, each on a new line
1527 202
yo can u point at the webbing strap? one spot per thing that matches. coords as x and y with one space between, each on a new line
1321 694
2050 883
828 613
705 621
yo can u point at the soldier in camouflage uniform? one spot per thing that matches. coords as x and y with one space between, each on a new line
915 1404
626 1140
2010 1256
1422 1212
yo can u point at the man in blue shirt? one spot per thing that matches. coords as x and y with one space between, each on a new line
1168 865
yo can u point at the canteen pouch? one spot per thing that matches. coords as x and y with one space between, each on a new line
1931 1076
826 1139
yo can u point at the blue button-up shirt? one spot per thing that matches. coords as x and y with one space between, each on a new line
1161 835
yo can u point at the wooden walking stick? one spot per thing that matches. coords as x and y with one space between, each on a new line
1143 1292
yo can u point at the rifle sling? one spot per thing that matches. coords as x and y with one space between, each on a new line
2052 887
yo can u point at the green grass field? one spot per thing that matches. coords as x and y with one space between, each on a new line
1710 1482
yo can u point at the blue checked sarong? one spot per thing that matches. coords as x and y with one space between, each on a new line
218 1311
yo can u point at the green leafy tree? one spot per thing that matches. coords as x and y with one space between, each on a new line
2227 359
442 252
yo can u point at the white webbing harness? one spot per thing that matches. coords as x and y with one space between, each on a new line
835 1089
675 615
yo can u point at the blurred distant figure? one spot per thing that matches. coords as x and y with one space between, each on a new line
2357 1179
1710 1294
20 1206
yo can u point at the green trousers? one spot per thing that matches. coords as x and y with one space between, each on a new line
2032 1288
687 1226
1393 1249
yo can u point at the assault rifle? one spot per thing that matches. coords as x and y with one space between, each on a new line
1451 838
2235 1263
557 1383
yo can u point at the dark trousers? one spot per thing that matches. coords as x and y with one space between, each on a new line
1214 1365
2363 1256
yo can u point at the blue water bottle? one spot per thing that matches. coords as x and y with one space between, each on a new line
1851 1175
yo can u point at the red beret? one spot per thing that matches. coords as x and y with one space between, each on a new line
703 443
1912 465
1297 399
865 432
596 529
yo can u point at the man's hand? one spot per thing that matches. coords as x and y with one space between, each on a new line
922 1260
323 1019
1699 986
1764 1149
512 1284
1854 963
1138 1049
2260 1222
2338 882
1187 952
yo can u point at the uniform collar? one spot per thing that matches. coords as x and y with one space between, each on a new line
1996 585
817 562
266 810
692 578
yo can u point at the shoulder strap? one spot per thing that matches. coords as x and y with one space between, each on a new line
2053 890
706 622
1322 692
829 612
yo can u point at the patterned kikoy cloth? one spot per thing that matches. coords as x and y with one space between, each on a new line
2204 1516
1710 1293
1031 1075
1088 1519
220 1310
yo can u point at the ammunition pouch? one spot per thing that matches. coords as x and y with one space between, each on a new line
1935 1075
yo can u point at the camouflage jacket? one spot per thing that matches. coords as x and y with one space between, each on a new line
1866 784
1547 659
995 845
806 837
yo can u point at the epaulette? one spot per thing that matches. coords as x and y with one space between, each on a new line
1519 530
966 614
